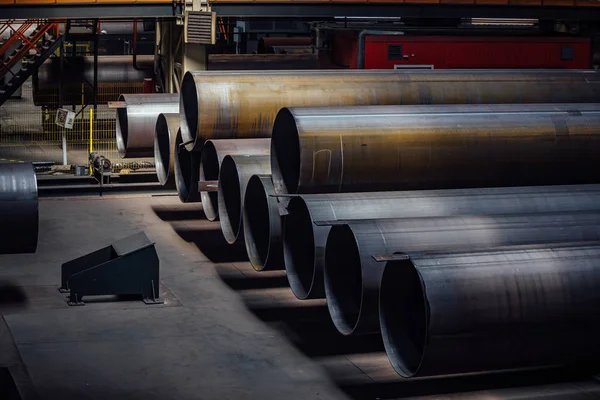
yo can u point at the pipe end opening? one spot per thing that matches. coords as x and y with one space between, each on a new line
257 223
229 200
188 108
285 153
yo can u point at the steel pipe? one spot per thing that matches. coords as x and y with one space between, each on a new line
229 62
235 173
211 157
267 44
226 105
136 123
362 149
19 212
186 165
116 75
165 133
352 275
263 230
304 242
491 310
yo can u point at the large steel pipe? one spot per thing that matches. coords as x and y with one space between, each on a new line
262 223
220 105
136 123
211 157
352 275
304 242
186 165
167 126
267 44
229 62
491 310
116 74
361 149
19 213
235 173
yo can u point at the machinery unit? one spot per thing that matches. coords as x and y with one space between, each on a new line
448 52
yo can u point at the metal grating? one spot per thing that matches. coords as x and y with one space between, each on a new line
395 52
200 27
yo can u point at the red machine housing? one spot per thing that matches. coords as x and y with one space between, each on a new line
447 52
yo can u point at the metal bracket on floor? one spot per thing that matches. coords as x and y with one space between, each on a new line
129 266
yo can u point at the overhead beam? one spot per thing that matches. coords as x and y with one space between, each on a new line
88 10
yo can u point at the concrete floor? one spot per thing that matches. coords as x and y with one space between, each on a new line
224 331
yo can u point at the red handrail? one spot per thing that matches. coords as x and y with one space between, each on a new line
30 44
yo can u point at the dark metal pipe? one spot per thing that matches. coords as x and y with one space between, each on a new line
19 213
263 230
233 180
211 157
362 36
266 44
491 310
304 242
186 165
115 75
226 105
353 276
136 123
229 62
167 126
361 149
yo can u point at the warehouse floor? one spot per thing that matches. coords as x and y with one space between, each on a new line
224 331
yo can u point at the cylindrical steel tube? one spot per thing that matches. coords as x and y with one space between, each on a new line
226 105
352 275
167 126
19 213
229 62
361 149
116 75
233 180
186 165
304 242
263 231
136 123
491 310
211 157
266 44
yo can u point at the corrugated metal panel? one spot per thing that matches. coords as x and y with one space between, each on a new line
200 27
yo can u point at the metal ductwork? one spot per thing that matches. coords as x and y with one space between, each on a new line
221 105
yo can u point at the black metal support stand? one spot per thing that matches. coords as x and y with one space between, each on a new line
129 266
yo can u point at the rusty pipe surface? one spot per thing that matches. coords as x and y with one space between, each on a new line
186 165
211 157
263 230
226 105
19 210
491 310
116 74
165 133
352 276
361 149
304 241
235 173
136 123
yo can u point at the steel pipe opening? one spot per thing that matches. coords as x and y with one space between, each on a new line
211 158
233 180
497 309
263 231
361 149
387 236
167 126
304 241
186 166
136 123
225 105
19 212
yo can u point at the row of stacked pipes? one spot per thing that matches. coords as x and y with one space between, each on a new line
455 212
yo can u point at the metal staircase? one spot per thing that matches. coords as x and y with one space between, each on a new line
32 50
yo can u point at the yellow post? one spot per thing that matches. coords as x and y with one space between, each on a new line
91 136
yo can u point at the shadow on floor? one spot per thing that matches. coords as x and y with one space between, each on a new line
238 281
11 294
8 389
169 215
213 245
